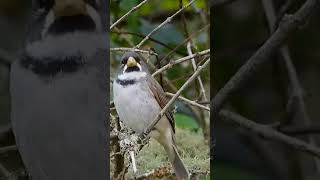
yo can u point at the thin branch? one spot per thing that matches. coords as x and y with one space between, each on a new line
151 39
127 14
301 129
284 8
190 102
171 63
168 20
194 65
173 99
185 41
8 148
288 25
126 38
133 49
268 132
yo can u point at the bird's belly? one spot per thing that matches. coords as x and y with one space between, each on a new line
136 108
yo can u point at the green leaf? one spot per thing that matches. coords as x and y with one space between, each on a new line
126 5
185 122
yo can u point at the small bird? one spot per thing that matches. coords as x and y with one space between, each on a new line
138 99
58 93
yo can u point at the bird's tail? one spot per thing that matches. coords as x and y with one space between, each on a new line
178 166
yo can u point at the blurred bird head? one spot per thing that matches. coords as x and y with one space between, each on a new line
67 16
65 36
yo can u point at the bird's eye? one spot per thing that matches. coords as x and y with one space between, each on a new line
124 61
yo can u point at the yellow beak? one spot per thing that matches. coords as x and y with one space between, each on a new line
69 8
131 62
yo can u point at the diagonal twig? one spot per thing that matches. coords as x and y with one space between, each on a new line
127 14
8 148
190 102
270 133
168 20
185 41
133 49
288 25
173 99
151 39
194 65
178 61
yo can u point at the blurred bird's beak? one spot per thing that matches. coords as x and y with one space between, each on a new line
131 62
69 8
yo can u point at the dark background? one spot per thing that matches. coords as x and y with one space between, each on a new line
14 15
239 28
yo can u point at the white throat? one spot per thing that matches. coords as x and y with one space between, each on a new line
135 75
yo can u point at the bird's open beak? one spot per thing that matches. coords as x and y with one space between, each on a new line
64 8
131 62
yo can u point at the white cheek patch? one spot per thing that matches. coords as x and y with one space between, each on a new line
132 75
125 68
139 66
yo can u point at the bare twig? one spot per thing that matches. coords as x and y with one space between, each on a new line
284 8
127 14
151 39
133 49
301 129
185 41
172 100
268 132
168 20
171 63
8 148
126 38
289 24
194 65
190 102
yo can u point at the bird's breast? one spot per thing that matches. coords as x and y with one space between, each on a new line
135 105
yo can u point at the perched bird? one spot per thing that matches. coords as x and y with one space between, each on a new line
58 93
138 99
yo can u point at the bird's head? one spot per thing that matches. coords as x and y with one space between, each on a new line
65 16
131 62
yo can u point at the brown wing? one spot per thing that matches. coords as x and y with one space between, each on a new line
161 98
